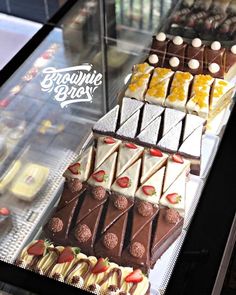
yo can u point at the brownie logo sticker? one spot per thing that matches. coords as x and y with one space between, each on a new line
71 85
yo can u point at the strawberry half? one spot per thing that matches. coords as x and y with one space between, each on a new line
68 254
134 277
74 168
130 145
173 198
109 140
178 159
148 190
99 176
123 182
101 266
37 249
155 152
4 211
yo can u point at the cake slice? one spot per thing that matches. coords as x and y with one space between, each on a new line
195 57
150 113
104 174
230 63
108 123
171 118
129 128
151 190
149 135
106 145
170 141
158 48
176 164
192 122
128 154
126 184
214 60
129 107
153 160
179 91
159 85
175 54
139 81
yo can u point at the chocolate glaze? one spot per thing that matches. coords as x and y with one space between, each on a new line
67 196
175 51
85 274
47 273
108 275
159 48
194 53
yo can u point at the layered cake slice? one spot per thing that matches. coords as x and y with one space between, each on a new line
128 154
158 49
194 57
176 164
214 60
108 123
151 189
153 160
129 128
170 141
150 113
104 174
174 197
192 122
171 119
149 135
126 184
159 86
198 103
139 81
179 91
106 145
175 54
230 63
169 225
129 107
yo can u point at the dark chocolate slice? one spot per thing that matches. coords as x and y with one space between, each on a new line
175 51
194 53
230 59
159 48
214 57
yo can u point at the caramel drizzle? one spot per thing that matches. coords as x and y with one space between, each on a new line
108 275
83 260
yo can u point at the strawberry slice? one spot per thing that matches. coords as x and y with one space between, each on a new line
123 182
173 198
68 254
4 102
109 140
37 249
134 277
75 168
155 152
99 176
4 211
101 266
148 190
177 158
130 145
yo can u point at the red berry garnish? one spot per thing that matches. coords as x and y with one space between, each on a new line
123 182
75 168
173 198
101 266
109 140
131 145
134 277
155 152
67 255
99 176
148 190
37 249
177 158
4 211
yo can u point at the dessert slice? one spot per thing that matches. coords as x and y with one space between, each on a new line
170 141
82 166
230 63
149 135
129 107
159 85
171 118
153 160
104 174
151 190
176 164
150 113
192 122
9 176
107 124
168 227
126 184
174 197
128 154
139 81
129 128
198 103
106 145
194 57
158 48
175 54
214 60
179 91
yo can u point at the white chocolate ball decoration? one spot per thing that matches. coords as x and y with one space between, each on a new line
153 59
214 68
193 64
161 37
178 40
174 62
233 49
196 42
215 45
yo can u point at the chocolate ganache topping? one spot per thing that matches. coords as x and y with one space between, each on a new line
55 224
172 216
116 271
98 193
110 240
75 185
145 208
121 202
137 249
84 275
83 233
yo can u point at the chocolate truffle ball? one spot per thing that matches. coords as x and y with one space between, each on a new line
110 240
55 224
121 202
75 185
172 216
145 208
137 250
98 193
83 233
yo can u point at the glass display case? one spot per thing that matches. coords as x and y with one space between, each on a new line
89 85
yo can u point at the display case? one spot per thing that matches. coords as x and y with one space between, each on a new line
65 155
